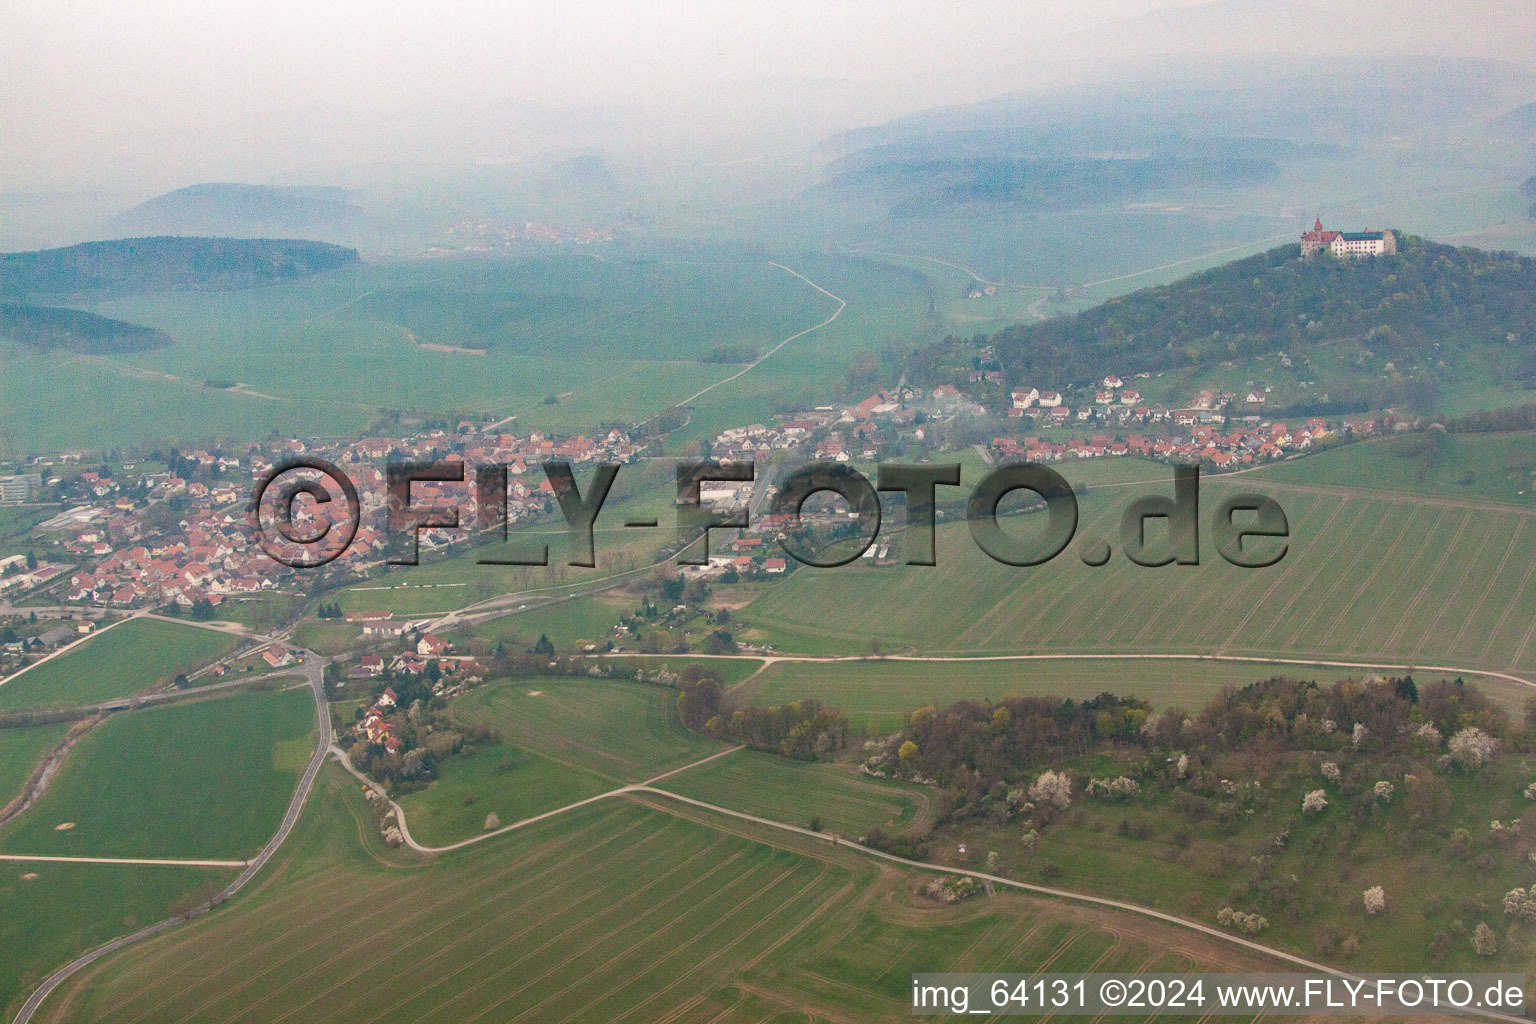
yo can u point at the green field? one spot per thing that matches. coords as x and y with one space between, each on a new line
624 731
20 751
609 339
459 580
207 779
728 670
615 912
71 908
1498 467
327 639
568 624
122 661
575 739
260 613
493 778
879 695
841 800
1367 577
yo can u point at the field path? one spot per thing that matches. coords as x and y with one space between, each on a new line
153 862
1253 659
842 304
405 831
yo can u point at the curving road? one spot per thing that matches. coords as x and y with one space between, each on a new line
314 671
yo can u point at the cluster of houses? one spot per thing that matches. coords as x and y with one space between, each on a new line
485 234
1222 448
375 726
16 578
130 559
419 657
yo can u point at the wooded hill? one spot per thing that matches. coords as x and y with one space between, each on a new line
128 265
74 330
1427 294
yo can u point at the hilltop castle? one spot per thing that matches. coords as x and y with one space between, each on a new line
1370 242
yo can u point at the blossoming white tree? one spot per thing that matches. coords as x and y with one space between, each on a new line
1384 791
1429 734
1484 942
1473 748
1120 788
1375 900
1520 903
1361 733
1314 802
1054 788
1331 772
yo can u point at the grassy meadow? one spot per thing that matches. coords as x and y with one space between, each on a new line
207 779
493 778
63 910
122 661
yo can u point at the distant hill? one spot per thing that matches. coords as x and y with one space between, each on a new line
1519 123
922 185
48 327
588 171
245 211
1427 294
130 265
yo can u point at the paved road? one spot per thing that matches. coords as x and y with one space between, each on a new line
313 670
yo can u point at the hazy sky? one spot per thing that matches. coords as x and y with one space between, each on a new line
122 94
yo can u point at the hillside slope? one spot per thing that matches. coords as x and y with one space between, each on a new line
1427 295
74 330
129 265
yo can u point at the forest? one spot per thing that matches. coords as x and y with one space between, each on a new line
130 265
979 751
